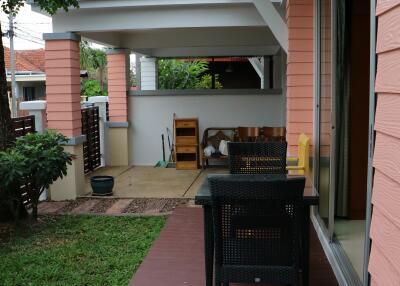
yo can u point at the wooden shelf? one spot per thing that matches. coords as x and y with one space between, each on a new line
186 132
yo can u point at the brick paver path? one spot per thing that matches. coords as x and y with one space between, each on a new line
119 206
85 207
51 207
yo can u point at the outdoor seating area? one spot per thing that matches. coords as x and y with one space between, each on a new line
177 256
213 136
253 196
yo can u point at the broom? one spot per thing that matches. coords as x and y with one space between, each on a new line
162 163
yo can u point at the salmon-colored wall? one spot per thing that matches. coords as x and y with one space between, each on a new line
384 264
118 78
63 86
300 87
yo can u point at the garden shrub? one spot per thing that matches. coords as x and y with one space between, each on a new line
37 159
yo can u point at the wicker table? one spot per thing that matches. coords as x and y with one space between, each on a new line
203 197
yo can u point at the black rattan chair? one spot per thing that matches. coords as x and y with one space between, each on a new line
257 224
257 157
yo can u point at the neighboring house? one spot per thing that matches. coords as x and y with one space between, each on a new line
30 74
328 87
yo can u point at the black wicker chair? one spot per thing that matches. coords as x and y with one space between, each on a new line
257 157
257 221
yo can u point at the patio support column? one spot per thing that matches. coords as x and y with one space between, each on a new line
118 87
63 107
300 72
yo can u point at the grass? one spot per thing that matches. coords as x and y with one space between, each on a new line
77 250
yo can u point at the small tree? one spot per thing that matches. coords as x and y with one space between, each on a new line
46 161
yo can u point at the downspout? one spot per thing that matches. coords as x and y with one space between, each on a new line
372 105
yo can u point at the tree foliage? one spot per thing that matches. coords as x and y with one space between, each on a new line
95 62
180 74
91 87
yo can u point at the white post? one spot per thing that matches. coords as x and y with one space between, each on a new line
101 102
148 73
38 109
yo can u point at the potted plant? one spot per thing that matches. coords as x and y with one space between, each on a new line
102 185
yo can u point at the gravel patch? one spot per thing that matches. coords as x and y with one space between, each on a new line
154 205
103 205
72 205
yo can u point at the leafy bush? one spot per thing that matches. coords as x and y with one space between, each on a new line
91 87
36 158
12 170
179 74
206 82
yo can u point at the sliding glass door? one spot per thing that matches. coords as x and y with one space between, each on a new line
342 124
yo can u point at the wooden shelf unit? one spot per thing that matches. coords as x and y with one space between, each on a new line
186 132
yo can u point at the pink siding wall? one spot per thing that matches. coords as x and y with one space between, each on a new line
63 86
384 264
118 77
300 71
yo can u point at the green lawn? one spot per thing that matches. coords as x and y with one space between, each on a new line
78 250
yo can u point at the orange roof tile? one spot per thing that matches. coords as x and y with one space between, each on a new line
26 60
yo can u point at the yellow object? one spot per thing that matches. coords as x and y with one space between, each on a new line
303 156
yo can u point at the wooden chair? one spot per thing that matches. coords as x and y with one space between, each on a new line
274 133
303 156
257 223
248 134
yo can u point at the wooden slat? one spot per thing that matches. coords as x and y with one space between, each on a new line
384 234
387 156
385 5
91 148
387 118
388 74
388 31
382 271
386 196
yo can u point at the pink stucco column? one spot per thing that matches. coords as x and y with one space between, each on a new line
300 72
118 151
63 108
63 83
118 81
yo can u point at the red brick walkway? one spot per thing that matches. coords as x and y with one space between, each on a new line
176 258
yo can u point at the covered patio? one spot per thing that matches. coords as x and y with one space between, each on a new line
180 29
253 29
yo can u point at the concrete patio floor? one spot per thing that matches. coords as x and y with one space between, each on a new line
150 182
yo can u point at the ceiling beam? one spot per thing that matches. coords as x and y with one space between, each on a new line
274 21
178 52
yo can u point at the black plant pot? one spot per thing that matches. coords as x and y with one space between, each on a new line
102 185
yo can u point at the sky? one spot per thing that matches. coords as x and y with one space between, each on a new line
29 27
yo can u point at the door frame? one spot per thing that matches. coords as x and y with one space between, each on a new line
335 254
371 138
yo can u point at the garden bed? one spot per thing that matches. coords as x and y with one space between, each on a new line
76 250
